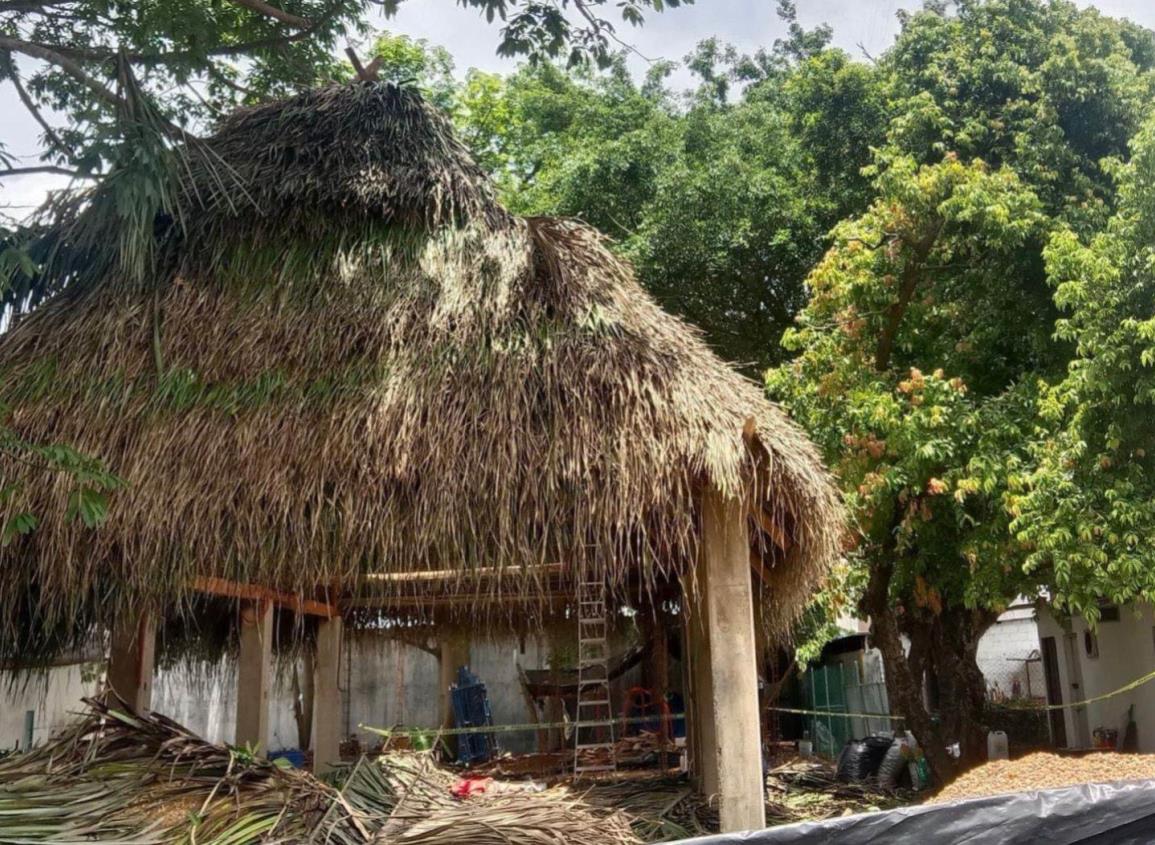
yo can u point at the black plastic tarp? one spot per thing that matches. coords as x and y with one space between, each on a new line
1100 813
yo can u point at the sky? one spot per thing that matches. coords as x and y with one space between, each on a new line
869 25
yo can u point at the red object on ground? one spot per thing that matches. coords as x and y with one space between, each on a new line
468 787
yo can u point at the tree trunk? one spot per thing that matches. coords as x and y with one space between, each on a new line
955 635
902 687
945 644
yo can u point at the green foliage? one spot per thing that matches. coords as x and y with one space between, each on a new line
91 482
1045 88
404 60
838 599
926 430
926 349
575 30
1089 515
722 206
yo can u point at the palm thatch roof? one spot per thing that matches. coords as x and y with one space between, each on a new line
346 358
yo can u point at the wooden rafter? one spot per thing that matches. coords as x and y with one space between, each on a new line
252 592
770 528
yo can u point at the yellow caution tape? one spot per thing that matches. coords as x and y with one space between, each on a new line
1133 685
638 720
836 714
497 729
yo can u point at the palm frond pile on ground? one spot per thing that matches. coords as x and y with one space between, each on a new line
145 780
121 778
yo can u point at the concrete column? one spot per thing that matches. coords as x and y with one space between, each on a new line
254 674
454 647
131 658
327 723
725 675
705 742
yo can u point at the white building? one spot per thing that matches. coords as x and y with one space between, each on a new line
1081 665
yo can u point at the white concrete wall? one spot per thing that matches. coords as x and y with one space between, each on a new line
385 683
54 698
1002 655
1126 652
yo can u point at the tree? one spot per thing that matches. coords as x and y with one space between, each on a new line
722 200
1046 88
1088 514
909 376
925 348
196 59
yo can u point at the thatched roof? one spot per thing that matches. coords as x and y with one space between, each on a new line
350 359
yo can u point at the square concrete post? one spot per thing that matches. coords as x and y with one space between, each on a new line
131 658
704 738
724 670
254 675
327 723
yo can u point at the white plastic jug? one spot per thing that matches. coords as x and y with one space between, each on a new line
997 747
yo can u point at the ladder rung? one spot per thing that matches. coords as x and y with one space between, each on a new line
594 702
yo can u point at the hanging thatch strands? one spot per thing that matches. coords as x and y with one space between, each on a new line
350 360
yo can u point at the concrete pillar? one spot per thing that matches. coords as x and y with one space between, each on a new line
725 675
254 675
131 658
454 647
327 722
705 741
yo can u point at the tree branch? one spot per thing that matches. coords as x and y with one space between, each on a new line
65 63
43 168
241 48
263 8
49 132
101 91
910 275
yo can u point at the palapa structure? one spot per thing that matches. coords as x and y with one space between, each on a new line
336 372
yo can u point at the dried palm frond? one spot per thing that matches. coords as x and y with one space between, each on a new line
357 362
423 812
120 778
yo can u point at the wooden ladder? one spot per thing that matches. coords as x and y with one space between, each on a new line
594 704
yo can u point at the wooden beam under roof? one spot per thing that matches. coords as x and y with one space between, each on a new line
251 592
481 572
770 528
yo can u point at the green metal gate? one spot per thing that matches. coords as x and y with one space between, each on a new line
827 693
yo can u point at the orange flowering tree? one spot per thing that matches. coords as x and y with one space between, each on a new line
929 326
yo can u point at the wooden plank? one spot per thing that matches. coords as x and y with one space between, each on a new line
251 592
131 660
770 528
411 602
